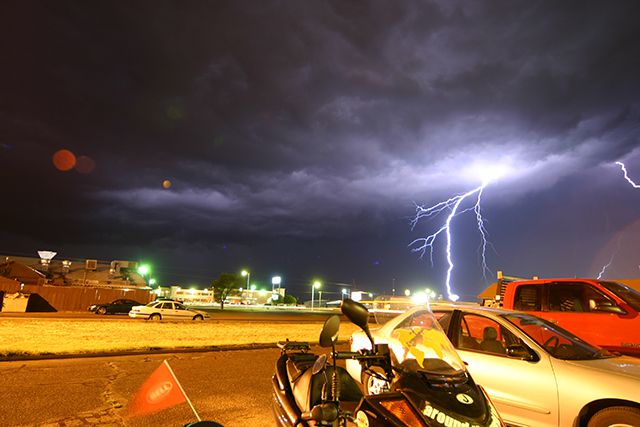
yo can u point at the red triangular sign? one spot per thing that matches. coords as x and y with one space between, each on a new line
160 391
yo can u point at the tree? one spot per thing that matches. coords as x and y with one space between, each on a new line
224 286
290 299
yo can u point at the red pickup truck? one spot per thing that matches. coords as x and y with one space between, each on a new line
601 312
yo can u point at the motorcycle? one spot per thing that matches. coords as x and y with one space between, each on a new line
423 387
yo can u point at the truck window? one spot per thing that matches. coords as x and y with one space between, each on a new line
527 298
576 297
625 293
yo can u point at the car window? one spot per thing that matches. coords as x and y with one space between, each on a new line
118 301
416 319
576 297
166 306
527 298
558 342
180 307
482 334
444 318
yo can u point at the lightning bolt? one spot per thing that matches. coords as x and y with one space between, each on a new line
629 180
607 265
423 244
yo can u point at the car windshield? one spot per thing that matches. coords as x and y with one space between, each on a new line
625 293
558 342
152 304
420 343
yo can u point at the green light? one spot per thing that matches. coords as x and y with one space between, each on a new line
152 281
144 269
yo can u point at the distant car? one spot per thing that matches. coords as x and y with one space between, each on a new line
166 310
122 306
535 372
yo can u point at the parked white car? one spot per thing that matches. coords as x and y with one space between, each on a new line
166 310
536 373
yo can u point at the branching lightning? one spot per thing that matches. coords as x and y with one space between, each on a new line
423 244
629 180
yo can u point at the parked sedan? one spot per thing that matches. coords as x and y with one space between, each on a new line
166 310
118 306
535 372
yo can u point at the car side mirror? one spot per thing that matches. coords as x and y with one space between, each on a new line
518 351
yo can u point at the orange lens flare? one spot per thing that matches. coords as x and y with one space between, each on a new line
64 160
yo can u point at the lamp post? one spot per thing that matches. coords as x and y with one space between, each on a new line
316 285
344 292
245 273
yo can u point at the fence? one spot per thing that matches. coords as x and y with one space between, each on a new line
75 298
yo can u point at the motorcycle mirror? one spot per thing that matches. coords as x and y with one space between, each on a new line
356 312
329 333
318 365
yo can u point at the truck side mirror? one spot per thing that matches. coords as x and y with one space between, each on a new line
607 307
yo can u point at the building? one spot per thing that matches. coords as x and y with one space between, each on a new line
69 284
205 296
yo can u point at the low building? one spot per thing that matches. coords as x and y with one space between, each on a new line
71 285
205 296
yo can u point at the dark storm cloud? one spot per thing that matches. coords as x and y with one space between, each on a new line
307 120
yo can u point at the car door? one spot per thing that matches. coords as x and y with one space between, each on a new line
167 311
181 312
117 306
524 392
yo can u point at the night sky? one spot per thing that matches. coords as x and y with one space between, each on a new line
297 137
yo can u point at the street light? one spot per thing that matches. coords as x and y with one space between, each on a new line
245 273
145 270
275 281
344 292
316 285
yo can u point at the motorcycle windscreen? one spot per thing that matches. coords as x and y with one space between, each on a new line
422 340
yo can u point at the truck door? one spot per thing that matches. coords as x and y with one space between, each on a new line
577 307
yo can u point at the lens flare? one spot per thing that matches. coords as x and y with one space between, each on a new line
64 160
85 165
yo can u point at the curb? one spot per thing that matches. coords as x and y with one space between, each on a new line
142 352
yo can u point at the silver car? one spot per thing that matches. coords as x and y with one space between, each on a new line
536 373
166 310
